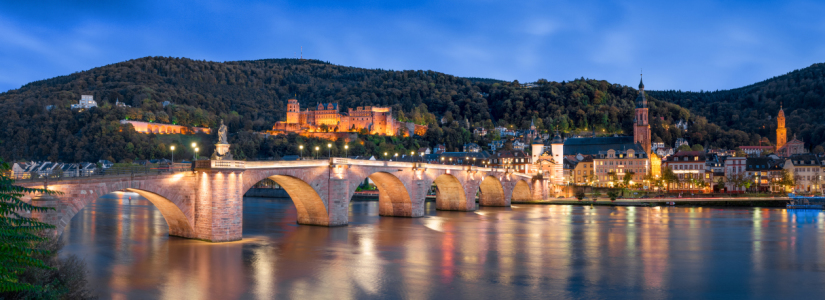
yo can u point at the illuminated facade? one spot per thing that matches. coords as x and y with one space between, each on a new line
327 118
781 132
160 128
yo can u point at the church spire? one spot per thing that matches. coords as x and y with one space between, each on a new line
641 100
641 83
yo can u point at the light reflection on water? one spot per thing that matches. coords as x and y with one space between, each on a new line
527 251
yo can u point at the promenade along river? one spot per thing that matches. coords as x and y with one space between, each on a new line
523 252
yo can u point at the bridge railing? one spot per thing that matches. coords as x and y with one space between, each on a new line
58 175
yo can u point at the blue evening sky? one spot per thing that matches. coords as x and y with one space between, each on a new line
687 45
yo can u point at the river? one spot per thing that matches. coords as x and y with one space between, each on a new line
522 252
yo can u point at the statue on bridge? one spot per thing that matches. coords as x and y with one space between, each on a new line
222 147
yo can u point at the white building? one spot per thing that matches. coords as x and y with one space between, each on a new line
86 102
657 145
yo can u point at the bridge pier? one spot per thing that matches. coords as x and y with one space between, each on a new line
338 200
218 207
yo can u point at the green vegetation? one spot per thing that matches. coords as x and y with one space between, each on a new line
29 267
749 113
250 96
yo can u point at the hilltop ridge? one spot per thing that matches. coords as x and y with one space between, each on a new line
251 96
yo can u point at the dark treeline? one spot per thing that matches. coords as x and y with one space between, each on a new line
251 96
753 108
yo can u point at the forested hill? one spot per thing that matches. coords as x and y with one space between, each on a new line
251 96
753 108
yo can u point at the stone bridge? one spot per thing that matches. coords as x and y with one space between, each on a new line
207 203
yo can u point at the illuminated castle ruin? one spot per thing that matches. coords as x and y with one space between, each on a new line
326 118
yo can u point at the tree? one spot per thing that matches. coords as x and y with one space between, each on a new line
740 153
580 194
18 233
683 148
697 147
627 178
613 194
669 177
720 183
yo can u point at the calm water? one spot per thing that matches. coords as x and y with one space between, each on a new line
524 252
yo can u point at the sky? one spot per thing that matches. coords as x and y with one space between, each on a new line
680 45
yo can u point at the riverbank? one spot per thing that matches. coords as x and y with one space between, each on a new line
725 202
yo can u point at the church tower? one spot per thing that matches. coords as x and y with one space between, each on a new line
641 128
293 110
781 132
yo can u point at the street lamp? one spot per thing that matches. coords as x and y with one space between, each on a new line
173 154
329 150
196 153
346 149
412 155
316 151
385 155
396 156
302 151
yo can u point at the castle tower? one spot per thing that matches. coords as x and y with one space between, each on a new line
781 132
293 111
641 128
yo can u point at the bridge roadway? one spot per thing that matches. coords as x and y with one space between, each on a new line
207 203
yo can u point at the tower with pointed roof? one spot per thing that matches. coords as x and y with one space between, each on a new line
641 128
781 132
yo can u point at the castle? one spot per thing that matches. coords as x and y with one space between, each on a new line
327 118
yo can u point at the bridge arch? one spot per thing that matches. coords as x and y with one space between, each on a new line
521 191
178 224
492 192
450 194
170 196
310 206
393 197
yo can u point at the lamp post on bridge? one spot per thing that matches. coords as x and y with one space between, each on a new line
301 147
346 150
329 150
173 154
316 151
195 155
